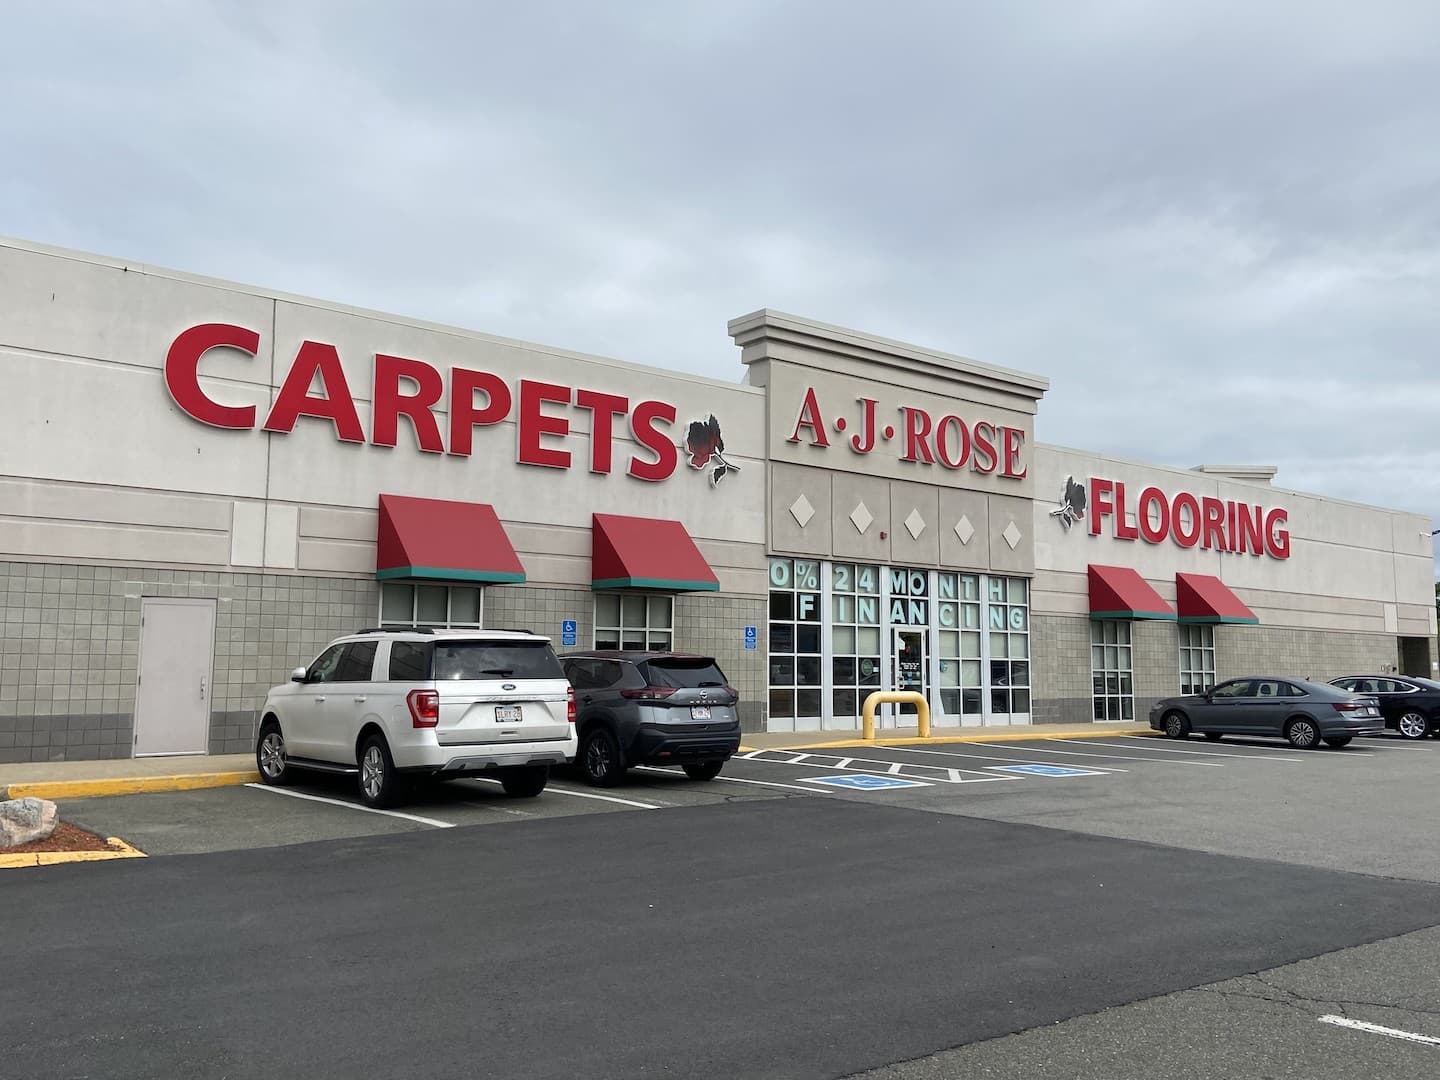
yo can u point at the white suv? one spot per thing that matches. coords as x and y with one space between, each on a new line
440 703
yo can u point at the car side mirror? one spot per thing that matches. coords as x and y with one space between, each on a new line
300 674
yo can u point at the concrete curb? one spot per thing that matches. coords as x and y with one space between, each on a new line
55 790
119 849
1083 733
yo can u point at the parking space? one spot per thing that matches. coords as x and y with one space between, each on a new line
1250 797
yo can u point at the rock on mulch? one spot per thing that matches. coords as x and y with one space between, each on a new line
66 837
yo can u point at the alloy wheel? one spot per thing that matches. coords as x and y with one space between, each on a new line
597 758
272 754
1303 734
372 772
1413 725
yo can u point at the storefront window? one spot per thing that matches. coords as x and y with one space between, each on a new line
855 637
1112 670
634 621
440 606
1197 658
961 661
1008 621
796 681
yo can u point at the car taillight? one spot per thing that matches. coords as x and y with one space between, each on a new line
648 693
570 704
732 691
1351 706
424 707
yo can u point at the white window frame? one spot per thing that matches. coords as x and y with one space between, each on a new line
619 630
1205 646
415 586
1124 644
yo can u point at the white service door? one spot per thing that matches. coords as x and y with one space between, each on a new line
172 697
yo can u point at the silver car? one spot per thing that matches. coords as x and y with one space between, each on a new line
1303 712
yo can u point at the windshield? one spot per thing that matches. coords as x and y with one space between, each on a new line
685 672
479 660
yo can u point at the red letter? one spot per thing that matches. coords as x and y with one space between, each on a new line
1214 512
1123 529
464 417
295 400
182 364
1013 439
917 427
986 458
863 444
534 423
1186 501
810 418
1153 534
1277 537
942 445
1099 507
390 403
1250 534
642 426
603 410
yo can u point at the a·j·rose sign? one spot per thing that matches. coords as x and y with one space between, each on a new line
413 389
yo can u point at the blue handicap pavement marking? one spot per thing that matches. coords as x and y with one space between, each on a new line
1046 770
864 782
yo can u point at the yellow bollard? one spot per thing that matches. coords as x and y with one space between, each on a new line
894 697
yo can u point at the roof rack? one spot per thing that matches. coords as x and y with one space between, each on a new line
395 630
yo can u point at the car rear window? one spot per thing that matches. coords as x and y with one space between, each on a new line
495 660
685 673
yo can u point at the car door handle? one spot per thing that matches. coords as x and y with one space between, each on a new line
359 701
318 700
587 699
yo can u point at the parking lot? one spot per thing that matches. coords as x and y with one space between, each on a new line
1097 907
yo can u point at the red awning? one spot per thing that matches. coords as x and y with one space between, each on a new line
439 539
1118 592
646 553
1205 599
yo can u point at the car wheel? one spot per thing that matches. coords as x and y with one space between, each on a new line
599 758
379 782
1337 741
525 782
704 770
1413 725
1302 733
270 755
1176 726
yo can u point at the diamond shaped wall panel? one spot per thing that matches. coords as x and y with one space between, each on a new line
850 544
1007 558
918 504
808 492
974 506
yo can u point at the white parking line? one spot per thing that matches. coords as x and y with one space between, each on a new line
435 822
735 780
1000 760
584 795
1376 1029
1197 753
1065 753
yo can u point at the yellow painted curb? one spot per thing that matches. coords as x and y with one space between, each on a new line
941 739
119 849
134 785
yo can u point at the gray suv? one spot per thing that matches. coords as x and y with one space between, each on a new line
658 708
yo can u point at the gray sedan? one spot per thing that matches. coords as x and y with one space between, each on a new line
1306 713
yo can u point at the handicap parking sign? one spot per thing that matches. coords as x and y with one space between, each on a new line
752 637
1046 770
863 782
567 632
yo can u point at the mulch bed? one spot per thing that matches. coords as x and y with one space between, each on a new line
66 837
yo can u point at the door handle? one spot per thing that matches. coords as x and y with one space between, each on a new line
202 687
587 699
359 701
318 700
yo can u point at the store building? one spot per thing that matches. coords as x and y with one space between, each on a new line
202 483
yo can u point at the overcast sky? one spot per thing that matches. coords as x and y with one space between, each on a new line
1214 226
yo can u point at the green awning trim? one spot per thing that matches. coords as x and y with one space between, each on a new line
440 573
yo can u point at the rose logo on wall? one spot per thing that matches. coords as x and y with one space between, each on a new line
705 444
1072 503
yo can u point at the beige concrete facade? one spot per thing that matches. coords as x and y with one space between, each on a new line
885 494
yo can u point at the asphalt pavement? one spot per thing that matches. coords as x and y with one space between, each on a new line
768 937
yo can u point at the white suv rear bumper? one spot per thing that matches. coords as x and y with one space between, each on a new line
480 757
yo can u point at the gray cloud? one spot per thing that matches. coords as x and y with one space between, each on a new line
1216 228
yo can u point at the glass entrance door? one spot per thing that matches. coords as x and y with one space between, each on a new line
911 669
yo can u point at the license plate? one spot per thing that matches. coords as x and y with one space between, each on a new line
507 714
699 712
